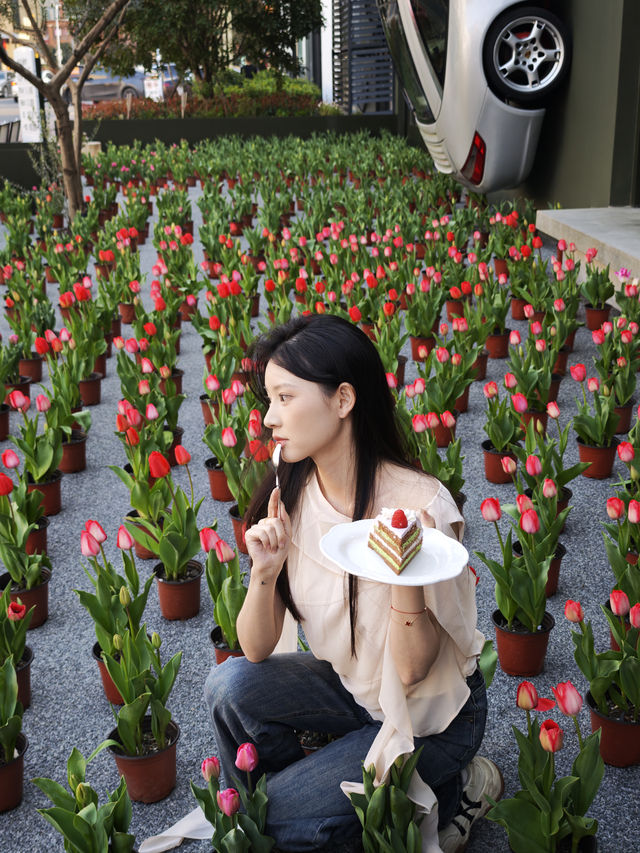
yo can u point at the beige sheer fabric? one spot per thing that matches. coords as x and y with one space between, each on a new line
320 590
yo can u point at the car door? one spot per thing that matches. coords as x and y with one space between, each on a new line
96 88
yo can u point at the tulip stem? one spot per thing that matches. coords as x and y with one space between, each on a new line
495 523
578 732
190 483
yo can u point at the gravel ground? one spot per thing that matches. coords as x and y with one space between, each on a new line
69 709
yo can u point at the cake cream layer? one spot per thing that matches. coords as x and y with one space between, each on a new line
386 535
392 559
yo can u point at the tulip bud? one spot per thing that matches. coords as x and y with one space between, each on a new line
634 616
183 457
124 596
83 795
228 801
578 372
523 502
88 545
117 642
124 539
549 488
210 768
526 696
533 466
519 402
208 538
619 602
529 521
490 509
246 757
568 699
10 458
615 508
43 403
633 511
224 552
551 736
229 437
626 451
156 642
508 465
573 611
552 410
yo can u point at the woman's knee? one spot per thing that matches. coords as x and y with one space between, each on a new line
228 683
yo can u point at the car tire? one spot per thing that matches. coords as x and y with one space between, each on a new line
524 64
129 90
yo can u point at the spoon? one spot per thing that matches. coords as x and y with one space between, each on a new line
275 459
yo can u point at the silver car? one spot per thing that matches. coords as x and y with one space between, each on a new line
477 74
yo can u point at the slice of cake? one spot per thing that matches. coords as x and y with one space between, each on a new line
396 536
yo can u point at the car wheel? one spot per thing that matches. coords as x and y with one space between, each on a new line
129 90
526 55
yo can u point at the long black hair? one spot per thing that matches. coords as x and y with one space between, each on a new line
328 350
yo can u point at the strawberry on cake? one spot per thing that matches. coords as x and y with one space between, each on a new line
396 536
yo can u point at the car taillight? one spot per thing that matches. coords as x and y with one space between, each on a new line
473 168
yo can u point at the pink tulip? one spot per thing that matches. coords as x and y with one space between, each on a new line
419 385
510 380
229 437
124 540
519 402
573 611
634 616
419 423
18 401
134 417
529 521
626 451
95 529
210 768
212 383
633 511
514 338
88 545
533 466
448 420
615 508
568 698
508 465
146 365
151 413
619 602
208 538
433 421
43 403
490 509
598 337
247 757
10 458
228 801
490 390
527 698
523 502
552 410
551 736
578 372
224 552
593 384
549 488
228 396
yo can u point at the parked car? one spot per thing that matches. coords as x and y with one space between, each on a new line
102 85
478 76
171 80
6 77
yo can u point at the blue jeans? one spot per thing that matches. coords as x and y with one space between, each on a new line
265 703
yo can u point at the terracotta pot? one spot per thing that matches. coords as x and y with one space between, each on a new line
522 653
517 308
480 366
110 690
37 596
23 675
4 421
462 403
116 327
454 308
31 367
497 345
142 553
624 416
564 496
554 567
417 343
560 366
127 312
90 389
176 378
74 453
149 778
51 494
100 364
221 649
217 480
570 340
255 305
12 777
619 741
493 470
595 317
37 540
445 435
23 383
554 388
500 266
238 528
179 599
210 408
187 311
178 432
402 363
536 417
600 459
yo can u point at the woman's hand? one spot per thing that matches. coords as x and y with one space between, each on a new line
268 541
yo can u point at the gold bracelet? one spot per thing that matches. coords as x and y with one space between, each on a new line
414 613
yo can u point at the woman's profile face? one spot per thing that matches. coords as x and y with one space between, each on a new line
302 418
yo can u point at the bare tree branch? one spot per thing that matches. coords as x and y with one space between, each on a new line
94 33
35 26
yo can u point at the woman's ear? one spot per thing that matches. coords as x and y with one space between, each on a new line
346 399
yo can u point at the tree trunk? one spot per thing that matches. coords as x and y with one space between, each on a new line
70 164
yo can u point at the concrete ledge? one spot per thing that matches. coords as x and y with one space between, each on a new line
613 231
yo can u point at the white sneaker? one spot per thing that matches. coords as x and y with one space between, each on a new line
484 780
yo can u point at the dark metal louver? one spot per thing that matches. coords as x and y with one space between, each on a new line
363 76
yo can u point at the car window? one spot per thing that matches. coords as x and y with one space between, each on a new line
432 18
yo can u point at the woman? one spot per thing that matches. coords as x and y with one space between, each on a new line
390 667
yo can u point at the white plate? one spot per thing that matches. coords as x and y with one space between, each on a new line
439 559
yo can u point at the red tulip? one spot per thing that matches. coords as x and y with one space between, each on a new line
433 421
41 346
523 502
533 465
526 696
158 465
508 465
88 545
448 420
228 801
210 768
626 451
551 736
510 380
258 450
18 401
573 611
208 538
419 423
134 418
183 457
634 616
95 530
15 611
519 402
529 521
514 338
146 366
144 387
124 540
490 390
133 438
578 372
615 508
552 410
442 354
619 602
633 511
593 384
247 757
355 314
490 509
10 458
549 488
6 485
224 552
569 700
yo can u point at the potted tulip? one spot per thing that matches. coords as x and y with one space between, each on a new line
521 622
595 429
614 689
234 829
526 816
492 301
117 603
227 591
616 362
422 315
503 431
140 737
76 815
596 289
174 539
14 624
13 743
532 368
